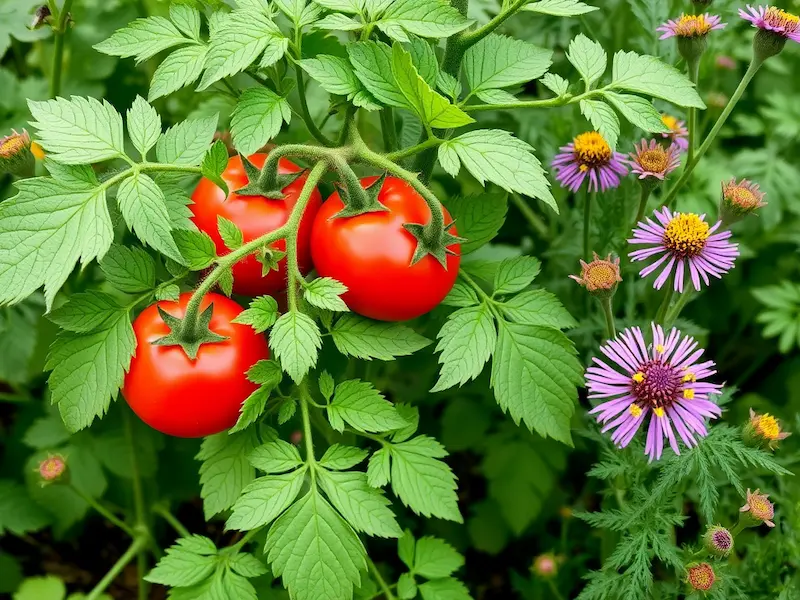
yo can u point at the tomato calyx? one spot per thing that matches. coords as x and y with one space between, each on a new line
433 241
269 258
265 182
189 333
358 200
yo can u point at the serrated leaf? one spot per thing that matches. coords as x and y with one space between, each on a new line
261 315
461 296
325 292
295 339
367 339
430 106
144 126
225 471
251 410
186 143
129 270
425 18
145 211
247 565
214 163
603 119
515 274
230 233
560 8
168 292
406 587
19 514
444 589
555 83
410 414
275 457
352 7
424 59
143 39
588 57
466 341
534 377
181 68
181 566
449 85
86 311
196 248
645 74
478 218
78 131
257 119
435 558
88 370
640 112
538 307
286 411
372 64
307 537
338 22
364 507
333 73
379 468
406 546
498 61
363 407
496 97
341 458
186 18
497 156
326 385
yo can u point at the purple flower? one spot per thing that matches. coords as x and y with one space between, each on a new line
678 132
653 160
690 26
685 242
774 19
663 379
589 155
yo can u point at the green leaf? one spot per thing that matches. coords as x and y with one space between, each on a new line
466 341
188 562
338 22
362 407
588 57
78 131
145 211
341 458
265 499
497 156
364 507
435 558
333 73
179 69
325 292
515 274
129 270
603 119
275 457
261 315
295 339
252 408
326 385
560 8
86 311
645 74
88 370
379 468
186 18
309 535
534 377
143 39
555 83
19 514
638 111
258 118
230 233
461 296
225 470
372 64
286 411
430 106
265 373
424 59
352 7
47 587
406 546
225 281
422 482
196 248
73 175
144 126
425 18
478 218
498 61
367 339
410 415
496 96
538 307
406 587
444 589
214 163
247 565
449 85
187 143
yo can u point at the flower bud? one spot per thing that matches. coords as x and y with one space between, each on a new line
739 200
15 153
763 431
767 44
296 437
700 576
600 277
52 469
758 509
718 540
545 565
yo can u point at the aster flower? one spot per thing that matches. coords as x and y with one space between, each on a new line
600 276
773 19
739 200
758 508
718 540
664 379
764 429
690 26
653 161
701 576
685 243
678 133
589 155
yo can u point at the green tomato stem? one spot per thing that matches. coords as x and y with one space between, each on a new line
308 435
107 514
307 118
387 591
247 537
162 512
135 548
412 150
388 129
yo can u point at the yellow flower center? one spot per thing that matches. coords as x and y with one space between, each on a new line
635 410
688 394
601 275
638 377
659 411
701 577
767 426
782 19
591 150
11 145
742 197
689 376
692 26
671 122
760 507
654 160
686 235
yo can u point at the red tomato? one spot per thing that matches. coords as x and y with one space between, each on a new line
255 216
371 254
192 398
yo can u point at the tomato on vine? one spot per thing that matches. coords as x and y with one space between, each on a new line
372 255
254 216
192 398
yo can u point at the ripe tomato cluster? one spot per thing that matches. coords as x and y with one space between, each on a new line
371 254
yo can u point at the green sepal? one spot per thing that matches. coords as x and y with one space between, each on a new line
269 259
190 340
261 183
438 247
359 200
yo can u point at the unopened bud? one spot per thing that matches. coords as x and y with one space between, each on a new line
15 153
700 576
296 437
545 565
52 469
739 200
600 277
718 540
763 431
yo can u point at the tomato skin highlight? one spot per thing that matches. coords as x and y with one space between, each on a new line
255 216
185 398
371 254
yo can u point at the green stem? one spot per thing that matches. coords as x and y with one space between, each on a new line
380 580
103 511
662 310
645 195
554 590
135 548
307 119
534 220
694 75
305 396
142 525
172 520
412 150
547 103
738 528
755 65
59 33
389 129
608 312
474 285
247 537
587 220
683 300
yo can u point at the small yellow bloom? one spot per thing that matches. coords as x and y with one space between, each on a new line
635 410
638 377
658 411
688 394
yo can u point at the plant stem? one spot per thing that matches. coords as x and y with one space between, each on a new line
103 511
587 219
307 119
412 150
307 433
755 65
59 33
646 190
172 520
694 74
381 581
135 548
139 508
247 537
534 220
554 590
608 312
662 310
389 129
673 314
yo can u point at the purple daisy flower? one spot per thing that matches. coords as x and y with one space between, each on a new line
687 243
690 26
589 155
663 379
678 133
774 19
653 160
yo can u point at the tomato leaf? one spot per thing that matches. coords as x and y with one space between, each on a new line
444 589
645 74
142 39
367 339
435 558
214 163
538 307
515 274
372 64
478 218
19 514
560 8
276 456
265 499
257 118
295 339
425 18
364 507
129 269
187 142
341 458
86 311
362 407
188 562
466 342
144 126
588 57
261 315
196 248
225 470
498 61
325 292
181 68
